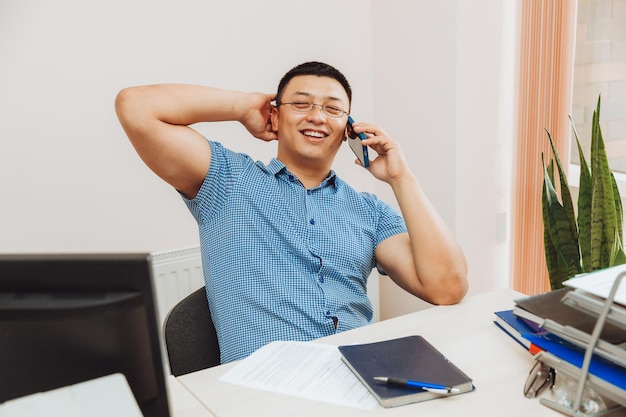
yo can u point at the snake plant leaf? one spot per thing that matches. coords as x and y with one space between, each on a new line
618 256
593 240
584 206
599 252
555 272
604 228
617 200
619 210
563 256
566 196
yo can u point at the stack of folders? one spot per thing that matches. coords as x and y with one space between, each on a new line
559 324
517 328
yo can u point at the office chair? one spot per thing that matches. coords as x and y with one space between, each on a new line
190 337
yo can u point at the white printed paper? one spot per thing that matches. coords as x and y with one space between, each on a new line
304 369
600 283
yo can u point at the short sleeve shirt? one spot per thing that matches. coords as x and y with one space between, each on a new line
282 262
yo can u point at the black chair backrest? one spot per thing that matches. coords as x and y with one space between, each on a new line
190 336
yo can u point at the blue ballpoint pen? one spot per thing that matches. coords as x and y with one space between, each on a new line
427 386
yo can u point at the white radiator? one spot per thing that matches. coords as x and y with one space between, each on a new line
177 273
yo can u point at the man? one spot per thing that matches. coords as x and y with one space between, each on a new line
287 247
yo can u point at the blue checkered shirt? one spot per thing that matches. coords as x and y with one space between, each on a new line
282 262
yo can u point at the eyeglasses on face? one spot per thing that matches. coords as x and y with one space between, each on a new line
305 107
540 376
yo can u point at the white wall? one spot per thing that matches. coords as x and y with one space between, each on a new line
70 179
434 74
486 106
445 85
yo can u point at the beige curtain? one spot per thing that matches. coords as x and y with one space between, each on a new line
546 67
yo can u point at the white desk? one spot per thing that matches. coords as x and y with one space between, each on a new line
465 333
182 402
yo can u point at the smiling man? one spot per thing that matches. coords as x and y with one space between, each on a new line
287 247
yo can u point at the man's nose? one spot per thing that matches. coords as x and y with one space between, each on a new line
316 113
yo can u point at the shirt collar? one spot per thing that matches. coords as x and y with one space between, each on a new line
277 169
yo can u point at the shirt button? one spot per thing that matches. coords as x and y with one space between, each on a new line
321 278
312 221
309 192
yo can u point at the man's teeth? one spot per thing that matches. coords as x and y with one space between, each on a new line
314 134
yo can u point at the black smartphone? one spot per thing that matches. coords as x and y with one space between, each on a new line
354 140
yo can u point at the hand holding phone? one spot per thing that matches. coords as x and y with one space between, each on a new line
354 140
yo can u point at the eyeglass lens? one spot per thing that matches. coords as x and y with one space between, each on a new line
305 107
540 376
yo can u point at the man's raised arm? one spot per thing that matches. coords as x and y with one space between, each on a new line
428 261
156 119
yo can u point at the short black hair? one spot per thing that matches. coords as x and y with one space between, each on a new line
314 68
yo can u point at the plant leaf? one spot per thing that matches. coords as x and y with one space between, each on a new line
555 273
564 262
618 257
566 196
603 211
584 206
594 240
618 209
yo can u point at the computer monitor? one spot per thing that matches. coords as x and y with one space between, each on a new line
69 318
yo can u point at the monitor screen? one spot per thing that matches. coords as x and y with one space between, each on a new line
69 318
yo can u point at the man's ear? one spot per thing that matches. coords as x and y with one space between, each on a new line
349 132
274 119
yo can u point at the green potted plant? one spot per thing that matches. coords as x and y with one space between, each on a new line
592 238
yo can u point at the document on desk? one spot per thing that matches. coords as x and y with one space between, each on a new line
600 283
303 369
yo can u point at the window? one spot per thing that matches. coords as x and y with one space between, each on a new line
600 69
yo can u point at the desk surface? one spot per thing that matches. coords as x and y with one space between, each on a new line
465 333
182 402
